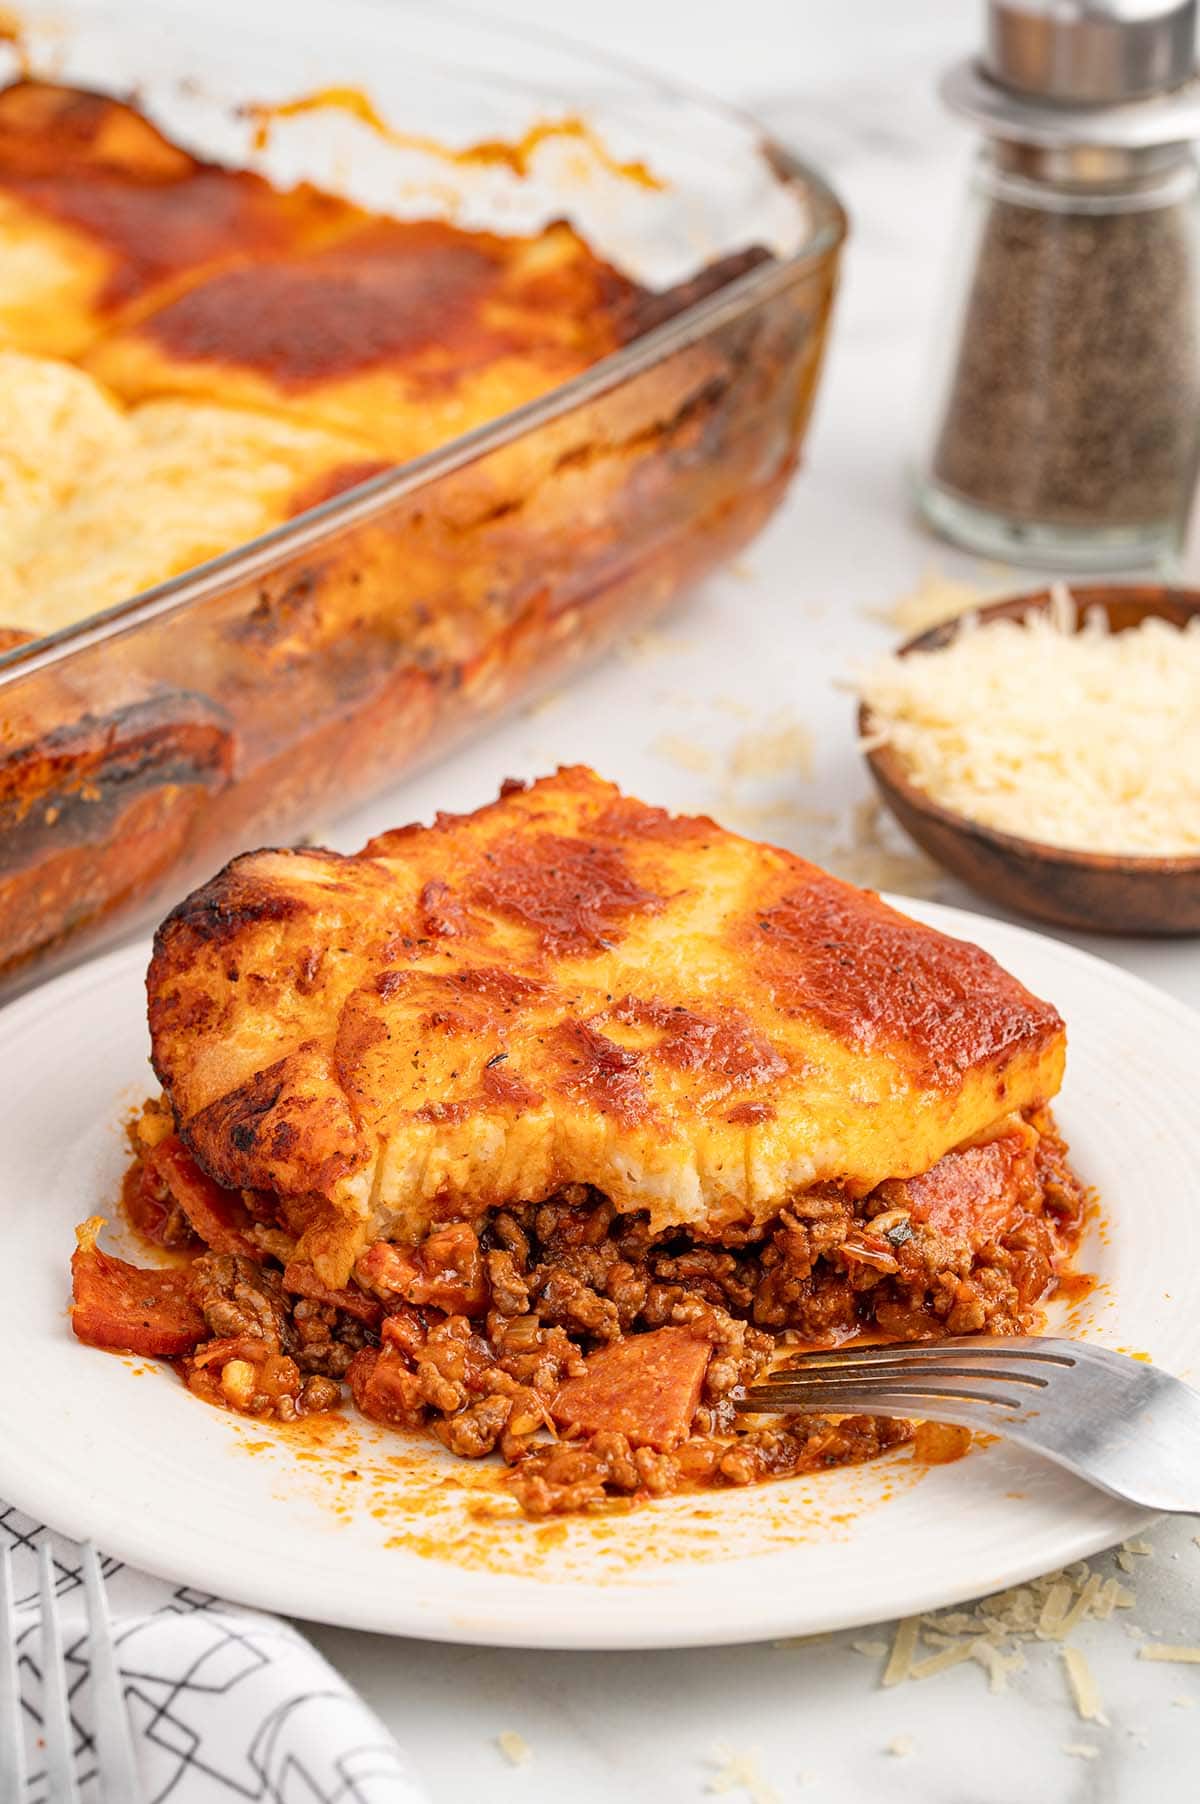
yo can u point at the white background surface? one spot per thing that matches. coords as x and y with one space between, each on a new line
852 85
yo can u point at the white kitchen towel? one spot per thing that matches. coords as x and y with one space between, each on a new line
226 1704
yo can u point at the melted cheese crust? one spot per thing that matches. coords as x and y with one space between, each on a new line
405 333
165 276
568 986
97 505
102 217
216 355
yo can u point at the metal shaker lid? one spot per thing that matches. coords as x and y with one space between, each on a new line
1090 52
1072 74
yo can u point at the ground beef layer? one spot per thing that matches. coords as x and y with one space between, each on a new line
599 1360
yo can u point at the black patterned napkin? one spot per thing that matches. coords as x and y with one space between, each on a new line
226 1703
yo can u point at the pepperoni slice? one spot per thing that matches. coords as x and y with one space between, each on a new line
647 1388
969 1194
218 1216
128 1309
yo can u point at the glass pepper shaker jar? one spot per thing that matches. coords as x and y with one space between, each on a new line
1065 414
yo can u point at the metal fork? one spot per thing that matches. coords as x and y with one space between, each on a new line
1123 1425
116 1767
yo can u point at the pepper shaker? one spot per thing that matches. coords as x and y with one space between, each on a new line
1065 425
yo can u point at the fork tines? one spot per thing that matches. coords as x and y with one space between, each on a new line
12 1738
116 1765
1010 1353
57 1733
879 1399
908 1376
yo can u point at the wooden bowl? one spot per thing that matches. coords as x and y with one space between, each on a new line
1094 892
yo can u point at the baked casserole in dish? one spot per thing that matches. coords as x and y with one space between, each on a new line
302 477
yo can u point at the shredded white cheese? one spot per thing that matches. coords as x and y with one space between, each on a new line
687 754
998 1667
1084 1692
1111 1596
1181 1656
946 1657
783 749
901 1746
903 1647
739 1771
1086 1604
514 1747
992 1631
936 597
1086 739
1054 1610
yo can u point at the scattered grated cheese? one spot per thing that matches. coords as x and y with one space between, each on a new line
783 750
998 1666
740 1771
1142 1548
1125 1561
687 754
954 1622
515 1749
1081 1750
903 1647
1083 1605
991 1632
863 852
1180 1656
1084 1694
1085 739
767 817
874 1650
953 1655
1054 1610
901 1746
936 597
1112 1595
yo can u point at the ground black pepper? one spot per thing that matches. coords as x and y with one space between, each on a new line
1075 399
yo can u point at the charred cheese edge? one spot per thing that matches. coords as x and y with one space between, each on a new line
569 986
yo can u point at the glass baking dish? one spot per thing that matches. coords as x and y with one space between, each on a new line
291 678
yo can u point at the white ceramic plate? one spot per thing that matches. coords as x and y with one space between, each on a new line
369 1530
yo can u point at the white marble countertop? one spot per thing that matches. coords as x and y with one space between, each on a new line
761 649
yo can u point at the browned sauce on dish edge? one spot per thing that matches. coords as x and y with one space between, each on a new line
516 156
